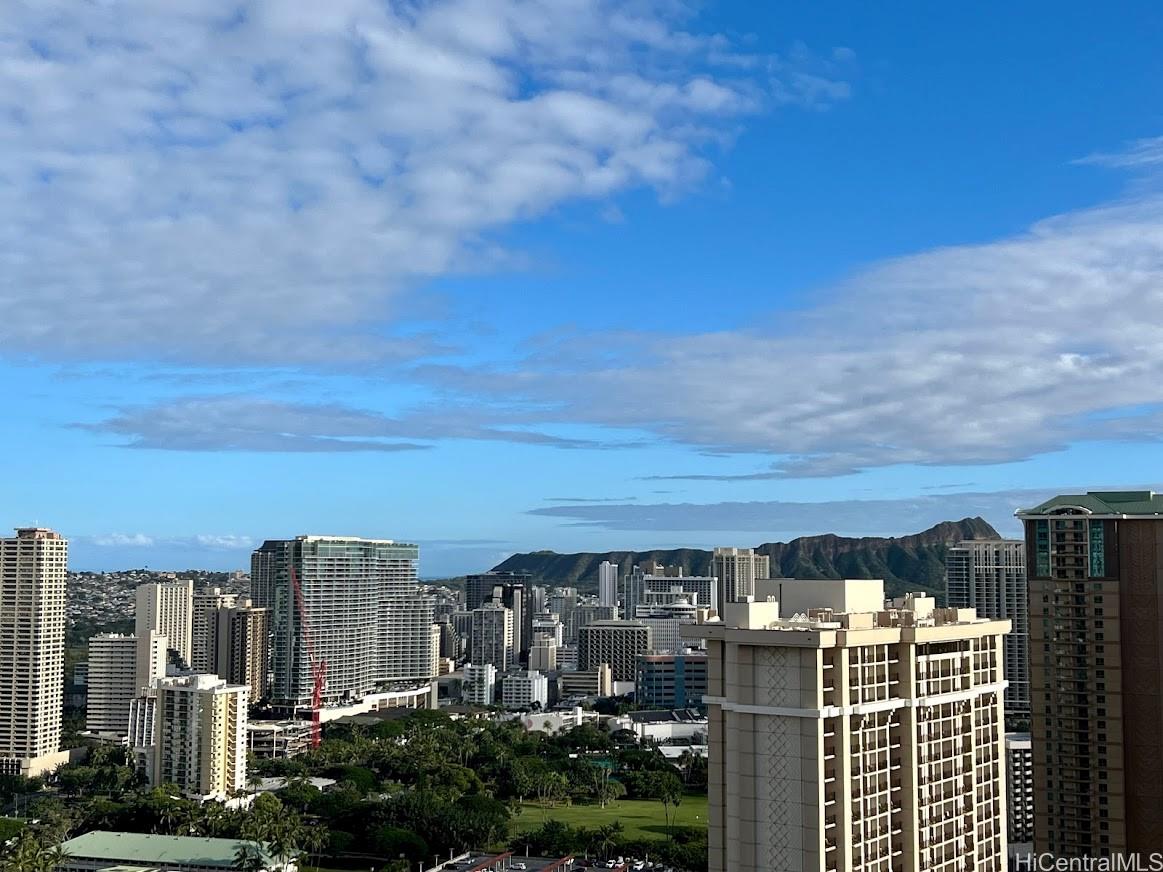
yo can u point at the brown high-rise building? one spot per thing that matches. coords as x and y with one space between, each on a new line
243 650
1095 565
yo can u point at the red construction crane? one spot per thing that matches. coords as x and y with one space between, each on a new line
318 667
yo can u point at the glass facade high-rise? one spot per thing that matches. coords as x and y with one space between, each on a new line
360 596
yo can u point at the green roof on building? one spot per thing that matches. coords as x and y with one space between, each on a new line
149 849
1102 503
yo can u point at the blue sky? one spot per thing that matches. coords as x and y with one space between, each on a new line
495 275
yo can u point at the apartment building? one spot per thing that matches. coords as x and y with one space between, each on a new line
737 569
360 597
1095 565
479 686
200 736
112 683
166 607
242 646
618 643
33 568
523 690
847 733
1020 798
204 626
608 583
989 575
492 636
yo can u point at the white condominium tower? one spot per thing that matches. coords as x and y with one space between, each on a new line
200 736
360 599
166 607
608 584
737 569
989 575
204 627
847 733
33 568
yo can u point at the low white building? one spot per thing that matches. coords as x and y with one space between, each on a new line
520 690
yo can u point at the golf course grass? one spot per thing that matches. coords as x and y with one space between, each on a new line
641 818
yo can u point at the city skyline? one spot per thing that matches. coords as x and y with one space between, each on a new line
568 278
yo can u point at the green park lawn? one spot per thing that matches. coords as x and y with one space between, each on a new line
642 818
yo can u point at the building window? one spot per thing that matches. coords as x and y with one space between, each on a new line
1042 548
1097 550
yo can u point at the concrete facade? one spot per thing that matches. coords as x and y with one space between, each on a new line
33 568
166 607
1095 567
844 740
618 643
989 575
112 683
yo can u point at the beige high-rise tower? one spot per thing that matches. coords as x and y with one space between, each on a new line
737 569
33 569
851 734
166 607
200 736
243 653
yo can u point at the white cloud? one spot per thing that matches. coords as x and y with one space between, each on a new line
141 540
258 183
1140 154
968 354
123 540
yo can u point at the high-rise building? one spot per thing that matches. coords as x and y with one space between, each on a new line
699 590
1020 794
737 569
112 683
618 643
538 600
524 690
665 622
850 734
671 681
1095 567
150 659
204 626
479 588
358 595
549 625
167 608
200 736
989 575
33 568
587 613
608 583
409 655
242 646
514 595
492 636
543 654
480 683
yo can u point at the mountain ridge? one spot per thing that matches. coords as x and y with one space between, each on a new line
911 562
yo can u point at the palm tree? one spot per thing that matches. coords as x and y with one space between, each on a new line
248 857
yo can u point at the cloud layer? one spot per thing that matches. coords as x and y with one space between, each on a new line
963 355
783 519
259 182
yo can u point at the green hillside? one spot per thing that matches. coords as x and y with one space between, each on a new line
914 562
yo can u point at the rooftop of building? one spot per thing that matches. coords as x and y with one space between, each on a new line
1109 503
662 716
153 849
